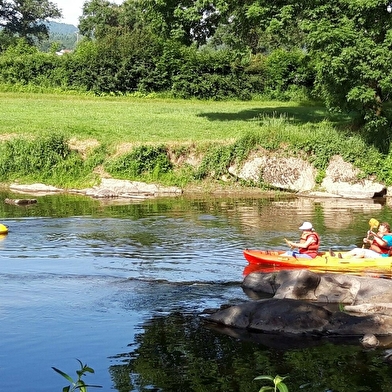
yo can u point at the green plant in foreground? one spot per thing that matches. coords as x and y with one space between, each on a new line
78 384
278 384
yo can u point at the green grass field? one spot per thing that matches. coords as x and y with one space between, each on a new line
142 120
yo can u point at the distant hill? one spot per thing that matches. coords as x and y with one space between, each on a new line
61 28
63 34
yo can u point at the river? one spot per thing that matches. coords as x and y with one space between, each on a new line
121 285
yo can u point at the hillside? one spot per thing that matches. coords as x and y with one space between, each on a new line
62 28
65 35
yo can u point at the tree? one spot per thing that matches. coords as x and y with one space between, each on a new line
187 21
100 18
352 48
350 42
26 18
261 26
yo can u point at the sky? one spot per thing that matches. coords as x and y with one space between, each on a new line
72 10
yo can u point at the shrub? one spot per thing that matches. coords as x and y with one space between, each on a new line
141 160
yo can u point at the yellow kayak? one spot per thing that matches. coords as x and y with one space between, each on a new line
324 261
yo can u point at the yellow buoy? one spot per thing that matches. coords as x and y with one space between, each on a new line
3 229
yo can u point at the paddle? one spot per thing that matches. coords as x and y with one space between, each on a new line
373 223
288 243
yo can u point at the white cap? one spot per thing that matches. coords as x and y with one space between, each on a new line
306 226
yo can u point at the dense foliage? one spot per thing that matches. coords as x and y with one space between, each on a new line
140 63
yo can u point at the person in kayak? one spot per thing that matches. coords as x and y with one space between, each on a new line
308 244
380 244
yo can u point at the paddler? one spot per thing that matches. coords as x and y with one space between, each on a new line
380 244
308 244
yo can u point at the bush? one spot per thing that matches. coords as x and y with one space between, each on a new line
207 74
47 158
142 160
36 68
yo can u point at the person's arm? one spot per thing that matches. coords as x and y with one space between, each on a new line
378 238
310 240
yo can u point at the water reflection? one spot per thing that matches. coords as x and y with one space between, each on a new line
178 353
121 285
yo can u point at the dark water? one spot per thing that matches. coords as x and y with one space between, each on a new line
122 286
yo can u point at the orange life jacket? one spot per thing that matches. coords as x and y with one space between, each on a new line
383 249
312 249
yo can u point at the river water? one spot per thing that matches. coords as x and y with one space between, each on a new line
122 284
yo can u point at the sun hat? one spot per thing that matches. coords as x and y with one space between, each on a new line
306 226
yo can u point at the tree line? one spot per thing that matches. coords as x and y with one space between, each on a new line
338 52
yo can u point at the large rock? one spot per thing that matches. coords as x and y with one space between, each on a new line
341 179
321 287
291 316
303 301
293 174
110 187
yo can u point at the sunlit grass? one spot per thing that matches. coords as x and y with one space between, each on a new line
114 120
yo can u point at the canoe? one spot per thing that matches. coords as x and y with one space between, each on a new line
323 262
3 229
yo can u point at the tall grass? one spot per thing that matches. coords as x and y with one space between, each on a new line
45 159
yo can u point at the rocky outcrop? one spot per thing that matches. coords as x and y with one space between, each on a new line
289 316
108 188
341 179
129 189
321 287
304 302
293 174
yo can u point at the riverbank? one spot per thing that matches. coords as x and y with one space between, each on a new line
341 181
278 146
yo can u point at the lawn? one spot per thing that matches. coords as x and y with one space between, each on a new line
114 120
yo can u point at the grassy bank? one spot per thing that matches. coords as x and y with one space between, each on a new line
68 140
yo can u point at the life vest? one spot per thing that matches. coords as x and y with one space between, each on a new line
312 249
386 249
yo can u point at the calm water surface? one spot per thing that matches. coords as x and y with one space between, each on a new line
121 286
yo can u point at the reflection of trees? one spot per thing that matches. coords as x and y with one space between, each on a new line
178 353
